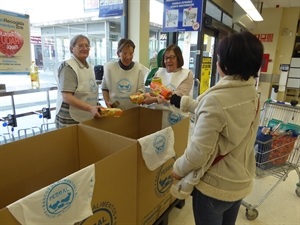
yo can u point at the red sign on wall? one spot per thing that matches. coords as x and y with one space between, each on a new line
265 37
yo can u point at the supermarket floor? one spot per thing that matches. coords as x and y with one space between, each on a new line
282 207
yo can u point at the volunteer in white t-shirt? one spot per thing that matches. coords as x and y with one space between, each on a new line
123 78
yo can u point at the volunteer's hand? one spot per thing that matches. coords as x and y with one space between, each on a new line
161 100
149 99
175 176
108 104
94 110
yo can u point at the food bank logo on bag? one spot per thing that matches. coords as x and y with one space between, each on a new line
159 144
59 197
103 213
174 118
163 178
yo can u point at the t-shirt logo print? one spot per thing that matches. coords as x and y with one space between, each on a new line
124 86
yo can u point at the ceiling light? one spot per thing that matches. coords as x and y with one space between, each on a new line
250 9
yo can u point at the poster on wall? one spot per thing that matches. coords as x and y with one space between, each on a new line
205 74
182 15
108 8
14 43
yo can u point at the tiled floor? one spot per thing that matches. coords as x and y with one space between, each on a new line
282 207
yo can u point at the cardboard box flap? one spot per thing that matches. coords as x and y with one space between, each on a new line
29 164
134 123
66 151
95 144
116 176
150 121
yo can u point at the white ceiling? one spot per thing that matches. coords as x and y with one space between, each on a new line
280 3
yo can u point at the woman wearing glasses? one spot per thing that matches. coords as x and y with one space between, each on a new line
179 80
123 78
77 96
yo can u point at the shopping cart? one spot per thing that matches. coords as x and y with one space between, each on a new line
190 17
277 148
171 18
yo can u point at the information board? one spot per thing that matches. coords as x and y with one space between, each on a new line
182 15
15 55
109 8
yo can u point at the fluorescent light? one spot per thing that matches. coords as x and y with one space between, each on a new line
250 9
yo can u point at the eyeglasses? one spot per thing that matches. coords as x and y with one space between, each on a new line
171 58
127 54
80 47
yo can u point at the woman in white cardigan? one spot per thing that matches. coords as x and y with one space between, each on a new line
221 149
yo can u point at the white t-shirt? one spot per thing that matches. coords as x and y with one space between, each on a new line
122 83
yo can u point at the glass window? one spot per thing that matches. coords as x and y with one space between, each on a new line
77 29
61 29
187 41
92 27
213 11
227 20
47 30
157 40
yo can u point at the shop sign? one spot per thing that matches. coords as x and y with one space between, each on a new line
265 37
36 40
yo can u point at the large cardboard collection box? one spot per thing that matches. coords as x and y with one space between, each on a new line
153 196
30 164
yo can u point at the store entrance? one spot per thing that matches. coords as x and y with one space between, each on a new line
207 65
199 54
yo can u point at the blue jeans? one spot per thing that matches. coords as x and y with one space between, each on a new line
210 211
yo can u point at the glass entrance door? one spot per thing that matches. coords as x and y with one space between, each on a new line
187 41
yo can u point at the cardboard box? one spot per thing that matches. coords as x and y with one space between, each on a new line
153 196
33 163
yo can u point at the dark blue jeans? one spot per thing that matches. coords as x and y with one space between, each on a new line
210 211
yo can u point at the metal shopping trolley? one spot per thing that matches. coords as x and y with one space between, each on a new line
277 148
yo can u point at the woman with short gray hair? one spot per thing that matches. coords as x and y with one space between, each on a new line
77 98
